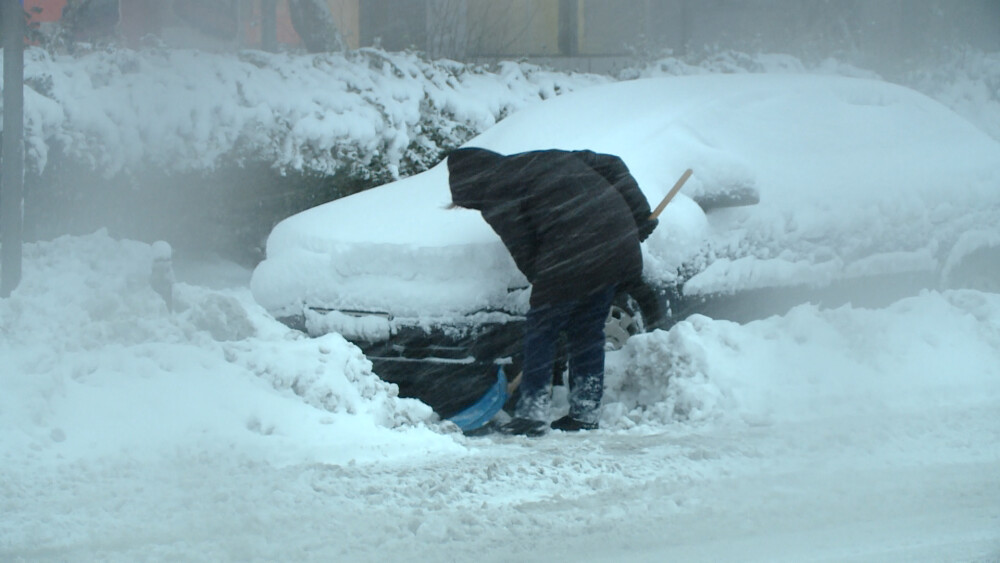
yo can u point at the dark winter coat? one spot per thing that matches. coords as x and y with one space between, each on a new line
570 220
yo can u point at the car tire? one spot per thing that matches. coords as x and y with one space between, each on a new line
624 320
636 308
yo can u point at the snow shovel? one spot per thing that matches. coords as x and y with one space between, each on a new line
477 415
670 195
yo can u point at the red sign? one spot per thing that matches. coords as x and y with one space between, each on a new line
51 10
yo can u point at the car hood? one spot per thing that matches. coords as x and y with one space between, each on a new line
855 176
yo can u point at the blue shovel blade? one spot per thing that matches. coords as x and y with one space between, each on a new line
483 410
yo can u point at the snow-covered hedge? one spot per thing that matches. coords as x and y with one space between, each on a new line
374 114
211 150
969 83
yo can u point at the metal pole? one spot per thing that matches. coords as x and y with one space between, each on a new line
12 175
269 25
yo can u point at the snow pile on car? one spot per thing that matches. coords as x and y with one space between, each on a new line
867 178
395 249
857 177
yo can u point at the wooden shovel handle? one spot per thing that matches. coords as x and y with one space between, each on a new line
670 195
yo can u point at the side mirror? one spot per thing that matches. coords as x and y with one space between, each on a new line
738 195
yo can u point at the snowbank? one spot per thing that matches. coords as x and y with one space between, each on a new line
95 365
917 355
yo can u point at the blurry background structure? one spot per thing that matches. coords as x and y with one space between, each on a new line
588 35
232 195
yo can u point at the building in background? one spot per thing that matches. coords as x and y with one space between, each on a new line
45 11
582 34
601 34
216 25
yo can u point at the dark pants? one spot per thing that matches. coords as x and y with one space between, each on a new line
583 321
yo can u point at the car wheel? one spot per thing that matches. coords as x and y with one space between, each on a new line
624 320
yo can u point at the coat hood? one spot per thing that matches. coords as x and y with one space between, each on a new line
472 175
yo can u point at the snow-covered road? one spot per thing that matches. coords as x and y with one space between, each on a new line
871 490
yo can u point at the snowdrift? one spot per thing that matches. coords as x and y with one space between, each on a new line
95 365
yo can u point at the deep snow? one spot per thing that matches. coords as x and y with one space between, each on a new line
213 433
132 433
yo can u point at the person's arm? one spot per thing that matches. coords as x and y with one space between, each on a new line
614 170
513 225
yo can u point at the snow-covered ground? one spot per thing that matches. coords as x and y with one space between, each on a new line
129 432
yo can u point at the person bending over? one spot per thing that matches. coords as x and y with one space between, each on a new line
572 221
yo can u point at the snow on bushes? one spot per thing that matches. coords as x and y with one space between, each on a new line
368 111
376 114
969 83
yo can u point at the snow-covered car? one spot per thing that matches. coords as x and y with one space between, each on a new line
868 191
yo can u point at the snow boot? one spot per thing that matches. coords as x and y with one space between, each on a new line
570 424
524 427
